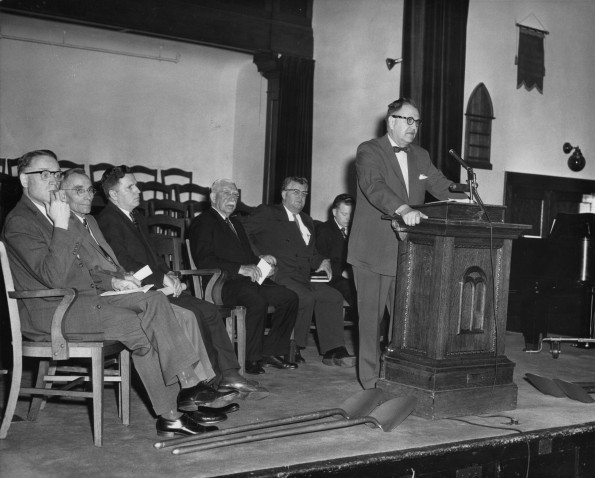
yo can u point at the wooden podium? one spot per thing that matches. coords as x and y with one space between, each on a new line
448 334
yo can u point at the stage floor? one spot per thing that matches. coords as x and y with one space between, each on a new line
60 442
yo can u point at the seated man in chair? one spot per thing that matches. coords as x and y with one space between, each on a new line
218 241
331 241
128 235
285 231
50 248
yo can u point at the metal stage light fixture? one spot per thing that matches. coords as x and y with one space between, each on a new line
390 62
576 162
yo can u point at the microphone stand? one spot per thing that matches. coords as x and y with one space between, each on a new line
471 183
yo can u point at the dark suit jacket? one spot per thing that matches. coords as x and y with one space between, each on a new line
331 243
271 232
43 257
132 246
381 190
214 245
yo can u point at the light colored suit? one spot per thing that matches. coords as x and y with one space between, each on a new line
43 257
373 245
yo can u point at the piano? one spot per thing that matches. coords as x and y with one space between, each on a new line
554 280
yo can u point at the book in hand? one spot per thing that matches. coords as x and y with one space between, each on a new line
319 277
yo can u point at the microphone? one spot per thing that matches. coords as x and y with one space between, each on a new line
459 159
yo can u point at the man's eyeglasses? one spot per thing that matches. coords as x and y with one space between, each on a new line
82 191
45 174
410 120
231 194
297 192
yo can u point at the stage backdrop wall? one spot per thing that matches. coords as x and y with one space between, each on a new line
205 113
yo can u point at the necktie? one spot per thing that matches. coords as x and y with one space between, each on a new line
297 224
228 222
397 149
133 217
344 232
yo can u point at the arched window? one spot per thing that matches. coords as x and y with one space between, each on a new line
478 128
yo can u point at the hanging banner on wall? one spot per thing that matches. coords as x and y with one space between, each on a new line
530 59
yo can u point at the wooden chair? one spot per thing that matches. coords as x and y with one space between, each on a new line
59 349
235 317
191 192
155 190
65 165
167 225
166 207
194 197
8 164
139 171
96 171
175 173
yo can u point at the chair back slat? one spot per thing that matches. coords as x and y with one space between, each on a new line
168 175
167 225
155 190
139 170
169 248
96 171
66 165
13 307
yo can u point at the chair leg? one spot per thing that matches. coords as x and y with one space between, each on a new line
124 395
292 347
51 371
37 400
15 386
97 381
230 327
240 316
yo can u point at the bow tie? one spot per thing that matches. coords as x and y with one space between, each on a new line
397 149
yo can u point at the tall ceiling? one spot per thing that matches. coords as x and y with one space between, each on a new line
279 26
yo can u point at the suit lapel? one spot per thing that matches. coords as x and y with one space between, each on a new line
101 243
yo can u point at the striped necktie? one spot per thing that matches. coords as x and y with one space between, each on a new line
230 225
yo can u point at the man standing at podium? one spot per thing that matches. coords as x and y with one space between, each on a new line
392 174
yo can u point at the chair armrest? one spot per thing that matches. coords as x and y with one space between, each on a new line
213 290
59 344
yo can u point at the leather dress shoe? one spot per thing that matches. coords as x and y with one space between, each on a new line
339 357
186 425
189 399
280 361
298 357
232 407
253 367
208 415
249 389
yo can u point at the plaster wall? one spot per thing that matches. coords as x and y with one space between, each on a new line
204 113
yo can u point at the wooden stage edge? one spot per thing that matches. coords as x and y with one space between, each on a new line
550 452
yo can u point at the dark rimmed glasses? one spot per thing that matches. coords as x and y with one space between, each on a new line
82 191
46 173
297 192
410 120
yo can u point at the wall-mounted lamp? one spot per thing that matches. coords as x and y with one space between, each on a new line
390 62
576 162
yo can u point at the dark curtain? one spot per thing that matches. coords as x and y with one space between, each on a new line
530 59
294 134
433 74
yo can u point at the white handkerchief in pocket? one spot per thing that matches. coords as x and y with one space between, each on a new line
423 176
